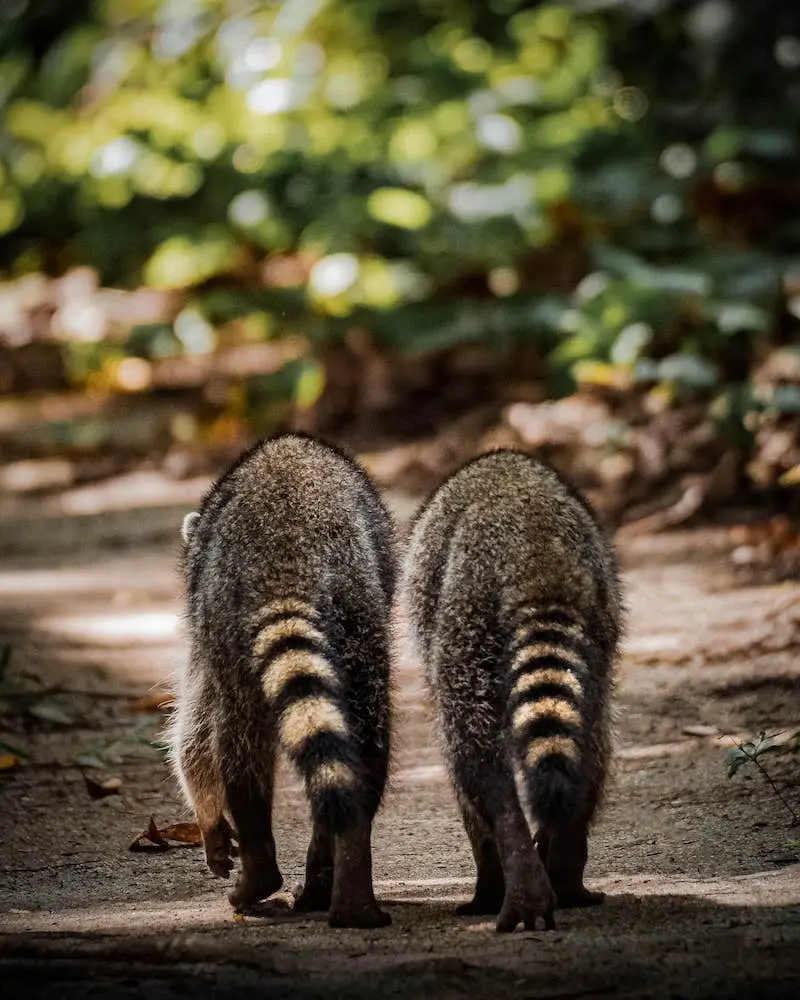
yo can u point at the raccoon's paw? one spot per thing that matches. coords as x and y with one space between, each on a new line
569 898
252 887
315 896
363 917
526 908
476 908
483 903
217 842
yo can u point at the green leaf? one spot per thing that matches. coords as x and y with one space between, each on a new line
48 711
689 370
736 759
89 760
399 207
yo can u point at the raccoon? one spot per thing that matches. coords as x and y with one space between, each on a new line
511 598
288 568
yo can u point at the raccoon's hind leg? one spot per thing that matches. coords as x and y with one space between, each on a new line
318 889
563 845
248 768
195 762
564 851
490 886
353 902
527 892
557 742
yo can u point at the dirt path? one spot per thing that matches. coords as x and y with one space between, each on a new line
702 877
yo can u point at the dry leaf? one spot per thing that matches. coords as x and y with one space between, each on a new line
154 838
700 730
791 477
8 760
154 701
101 789
50 712
150 840
183 833
239 918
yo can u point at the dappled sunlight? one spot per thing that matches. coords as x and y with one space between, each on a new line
126 917
761 888
110 628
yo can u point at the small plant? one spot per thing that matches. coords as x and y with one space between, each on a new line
750 754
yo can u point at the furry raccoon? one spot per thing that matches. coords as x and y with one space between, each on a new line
289 571
511 597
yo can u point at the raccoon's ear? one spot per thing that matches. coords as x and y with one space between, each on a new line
188 524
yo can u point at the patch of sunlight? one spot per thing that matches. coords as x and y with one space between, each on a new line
652 750
473 55
653 643
208 141
179 262
271 97
113 629
344 90
310 385
194 331
412 142
423 773
249 208
378 284
110 917
471 202
263 54
334 275
773 888
23 583
412 890
499 132
115 157
399 207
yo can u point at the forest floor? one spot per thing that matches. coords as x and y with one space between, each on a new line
702 872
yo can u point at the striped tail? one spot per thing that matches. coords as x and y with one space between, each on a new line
547 689
303 686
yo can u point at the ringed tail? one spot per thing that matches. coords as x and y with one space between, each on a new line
303 686
547 698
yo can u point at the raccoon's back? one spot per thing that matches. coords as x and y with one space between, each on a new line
292 517
513 529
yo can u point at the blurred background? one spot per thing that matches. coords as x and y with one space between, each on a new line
421 228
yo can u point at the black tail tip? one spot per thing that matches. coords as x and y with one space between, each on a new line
338 809
556 788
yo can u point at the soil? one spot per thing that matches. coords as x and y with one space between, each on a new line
702 872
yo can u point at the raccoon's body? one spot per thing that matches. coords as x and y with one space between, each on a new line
511 595
289 572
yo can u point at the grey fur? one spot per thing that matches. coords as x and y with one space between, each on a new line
289 573
511 595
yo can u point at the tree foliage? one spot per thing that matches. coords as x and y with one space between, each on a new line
614 180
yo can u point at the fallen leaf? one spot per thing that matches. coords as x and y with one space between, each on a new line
102 789
151 834
8 760
239 918
155 701
89 760
12 749
48 711
187 834
791 477
700 730
183 833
